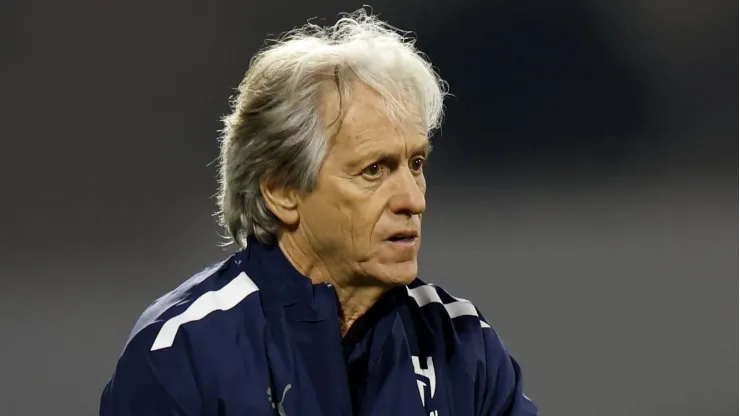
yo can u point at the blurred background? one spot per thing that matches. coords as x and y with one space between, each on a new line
582 191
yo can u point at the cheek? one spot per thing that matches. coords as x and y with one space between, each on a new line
359 213
422 181
345 215
361 219
338 221
321 216
377 220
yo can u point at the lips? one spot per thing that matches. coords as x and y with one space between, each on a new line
403 236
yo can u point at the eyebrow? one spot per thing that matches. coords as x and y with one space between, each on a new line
380 154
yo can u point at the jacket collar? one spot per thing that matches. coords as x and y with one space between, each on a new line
283 285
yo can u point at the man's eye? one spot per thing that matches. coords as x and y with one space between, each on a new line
373 170
417 165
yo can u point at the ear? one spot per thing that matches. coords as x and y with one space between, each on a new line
281 201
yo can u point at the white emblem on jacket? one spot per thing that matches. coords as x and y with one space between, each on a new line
427 379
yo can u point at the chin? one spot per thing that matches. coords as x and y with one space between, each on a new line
398 274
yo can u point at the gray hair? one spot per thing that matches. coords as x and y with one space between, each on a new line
275 130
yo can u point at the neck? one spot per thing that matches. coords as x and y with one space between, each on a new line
354 302
355 294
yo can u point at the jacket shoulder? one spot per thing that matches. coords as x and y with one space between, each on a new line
197 307
182 342
437 304
456 320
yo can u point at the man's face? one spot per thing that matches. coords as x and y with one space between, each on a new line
364 216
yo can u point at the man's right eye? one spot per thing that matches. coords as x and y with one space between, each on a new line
373 171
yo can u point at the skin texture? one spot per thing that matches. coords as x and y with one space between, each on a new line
370 186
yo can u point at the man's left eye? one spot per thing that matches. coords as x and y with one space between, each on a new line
417 164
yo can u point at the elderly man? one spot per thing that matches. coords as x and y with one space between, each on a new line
320 312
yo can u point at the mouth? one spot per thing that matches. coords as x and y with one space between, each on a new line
404 237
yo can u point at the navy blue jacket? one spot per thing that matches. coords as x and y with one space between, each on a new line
252 336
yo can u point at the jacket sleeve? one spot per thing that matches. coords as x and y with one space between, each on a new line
503 394
148 383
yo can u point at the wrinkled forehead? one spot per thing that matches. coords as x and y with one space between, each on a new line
359 111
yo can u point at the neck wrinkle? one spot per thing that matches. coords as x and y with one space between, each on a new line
354 300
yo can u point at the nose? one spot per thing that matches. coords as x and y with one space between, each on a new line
408 198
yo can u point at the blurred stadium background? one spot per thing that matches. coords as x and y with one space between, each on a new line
582 191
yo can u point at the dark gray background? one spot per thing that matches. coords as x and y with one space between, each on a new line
582 192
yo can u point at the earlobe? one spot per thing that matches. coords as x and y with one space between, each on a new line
282 202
